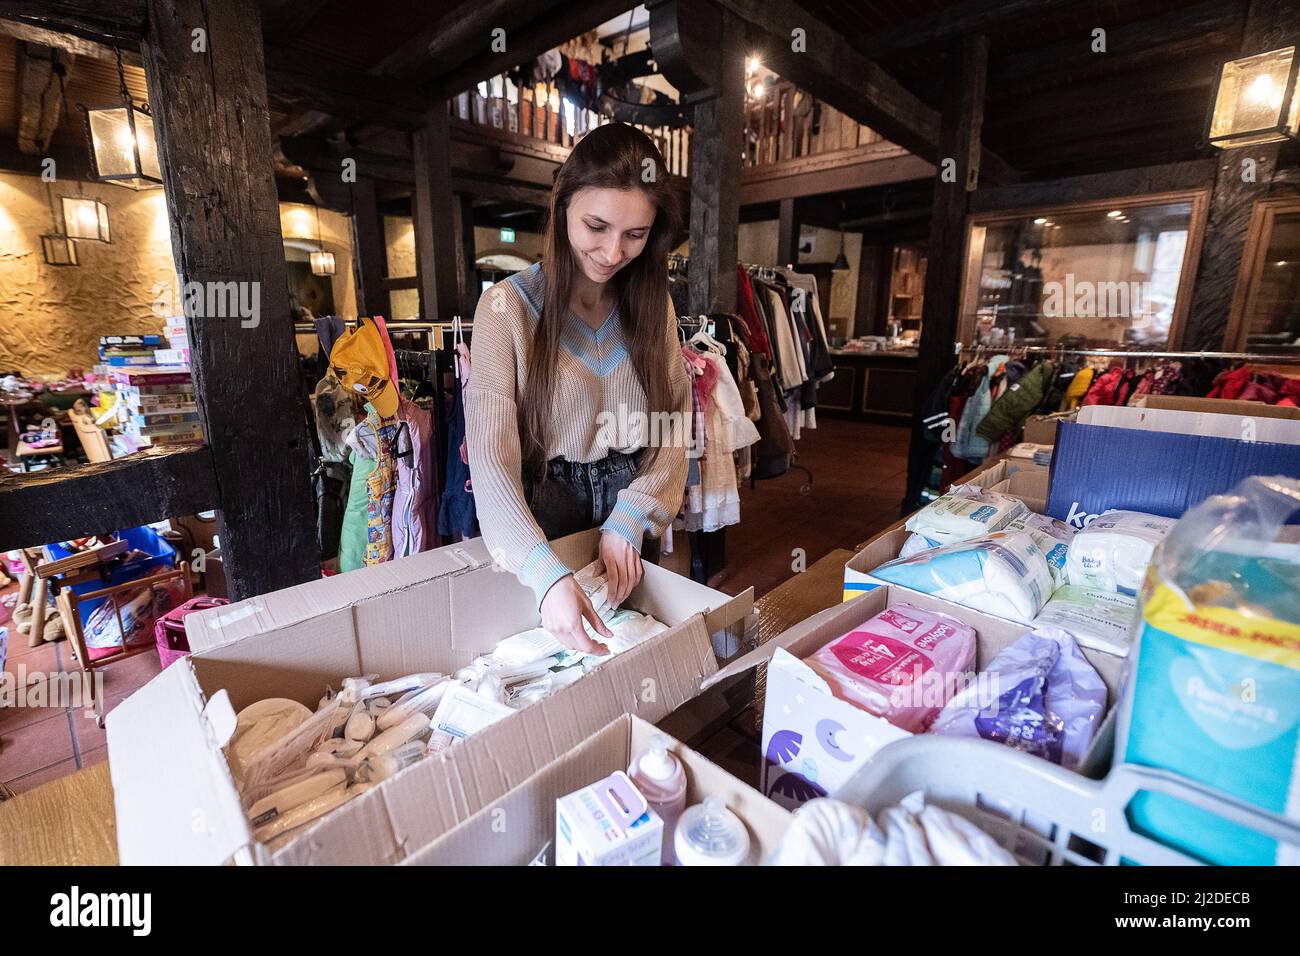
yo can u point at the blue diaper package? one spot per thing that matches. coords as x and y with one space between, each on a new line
1214 689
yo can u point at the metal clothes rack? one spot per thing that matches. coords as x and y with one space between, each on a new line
1254 358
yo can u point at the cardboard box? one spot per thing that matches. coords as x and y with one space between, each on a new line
1029 485
1220 406
813 742
1041 429
1161 462
511 829
176 800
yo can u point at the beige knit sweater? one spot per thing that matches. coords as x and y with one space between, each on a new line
594 376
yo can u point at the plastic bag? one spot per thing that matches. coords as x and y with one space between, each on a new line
1213 692
1113 551
1003 573
965 512
898 664
1049 700
1103 620
1053 538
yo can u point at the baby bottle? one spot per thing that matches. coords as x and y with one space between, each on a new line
662 781
708 834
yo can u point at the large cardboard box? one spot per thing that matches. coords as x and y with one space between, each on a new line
511 830
1161 461
813 742
1031 486
173 791
1219 406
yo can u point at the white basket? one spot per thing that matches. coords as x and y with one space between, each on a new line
1041 813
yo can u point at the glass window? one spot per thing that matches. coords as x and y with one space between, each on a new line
1273 309
1097 277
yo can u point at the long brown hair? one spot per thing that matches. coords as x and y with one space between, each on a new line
614 156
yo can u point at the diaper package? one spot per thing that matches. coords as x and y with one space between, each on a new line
902 664
915 544
1102 620
1003 573
1214 687
1046 700
1113 551
1053 538
965 512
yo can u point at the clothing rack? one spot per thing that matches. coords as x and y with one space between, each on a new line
1254 358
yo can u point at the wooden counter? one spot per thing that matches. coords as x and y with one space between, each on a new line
870 386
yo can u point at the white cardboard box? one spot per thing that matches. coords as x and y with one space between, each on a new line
813 742
175 798
514 827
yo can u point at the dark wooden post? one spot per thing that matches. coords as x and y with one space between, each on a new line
435 217
466 255
715 179
965 70
214 143
1242 177
369 252
787 234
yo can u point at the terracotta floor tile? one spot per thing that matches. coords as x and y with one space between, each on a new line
46 775
90 758
41 659
35 747
13 718
88 734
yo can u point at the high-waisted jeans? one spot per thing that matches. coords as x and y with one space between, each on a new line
578 496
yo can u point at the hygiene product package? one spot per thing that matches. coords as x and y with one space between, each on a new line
885 665
1003 573
1214 691
608 823
436 611
1039 695
1112 552
964 512
1053 538
1104 620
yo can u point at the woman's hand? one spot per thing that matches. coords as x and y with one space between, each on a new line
622 565
563 608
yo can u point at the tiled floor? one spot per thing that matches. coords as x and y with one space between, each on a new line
859 472
40 744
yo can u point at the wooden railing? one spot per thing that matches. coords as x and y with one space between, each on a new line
786 123
542 113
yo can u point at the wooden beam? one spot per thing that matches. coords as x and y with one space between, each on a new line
787 234
715 179
966 70
501 191
466 254
281 19
940 26
210 116
355 97
62 503
42 77
79 46
434 212
1174 177
106 21
875 164
831 70
369 251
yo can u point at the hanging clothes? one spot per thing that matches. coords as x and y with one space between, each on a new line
354 533
1009 412
968 444
758 340
413 494
457 514
381 486
772 451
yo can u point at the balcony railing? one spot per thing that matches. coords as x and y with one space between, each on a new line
541 113
787 123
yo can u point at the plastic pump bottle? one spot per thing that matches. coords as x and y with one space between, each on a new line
709 834
662 781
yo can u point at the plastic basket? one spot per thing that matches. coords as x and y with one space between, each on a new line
1042 814
169 630
157 555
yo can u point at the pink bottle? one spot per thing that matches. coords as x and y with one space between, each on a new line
661 778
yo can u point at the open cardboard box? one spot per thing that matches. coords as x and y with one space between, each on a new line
513 828
813 742
175 798
1030 486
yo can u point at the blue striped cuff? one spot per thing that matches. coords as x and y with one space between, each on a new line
542 568
628 523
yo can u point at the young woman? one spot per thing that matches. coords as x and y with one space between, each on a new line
563 354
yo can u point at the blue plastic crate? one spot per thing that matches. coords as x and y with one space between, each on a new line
157 555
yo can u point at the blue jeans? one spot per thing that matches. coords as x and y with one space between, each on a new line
577 496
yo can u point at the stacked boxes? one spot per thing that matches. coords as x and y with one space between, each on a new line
157 405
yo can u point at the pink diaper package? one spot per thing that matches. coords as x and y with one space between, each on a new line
903 665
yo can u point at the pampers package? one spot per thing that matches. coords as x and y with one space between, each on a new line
964 512
884 665
1214 687
1112 552
1004 573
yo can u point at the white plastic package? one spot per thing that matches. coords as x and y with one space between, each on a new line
915 544
1113 551
964 513
1102 620
1003 573
1053 538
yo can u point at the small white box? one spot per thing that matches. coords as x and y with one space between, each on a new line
608 823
